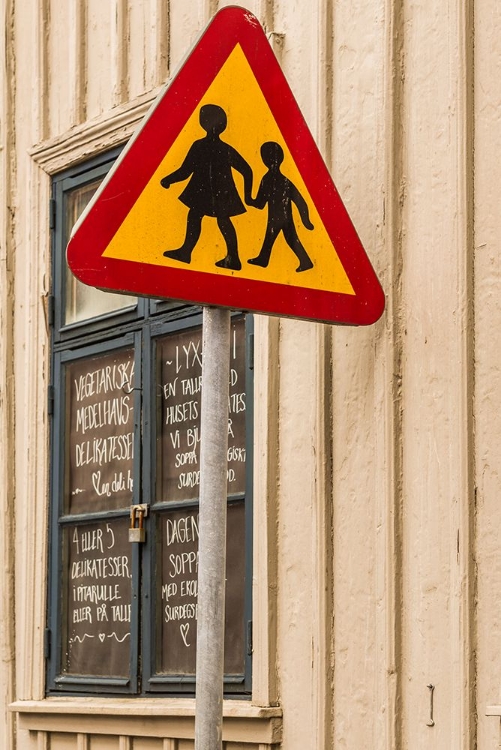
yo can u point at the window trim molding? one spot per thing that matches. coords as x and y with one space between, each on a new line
265 687
168 718
93 137
46 158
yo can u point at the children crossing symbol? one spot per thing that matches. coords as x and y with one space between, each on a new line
222 197
211 191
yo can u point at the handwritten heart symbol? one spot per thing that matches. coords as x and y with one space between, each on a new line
96 479
102 636
184 632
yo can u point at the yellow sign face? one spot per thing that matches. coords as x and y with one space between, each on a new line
275 232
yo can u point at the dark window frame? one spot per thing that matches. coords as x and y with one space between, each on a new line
137 326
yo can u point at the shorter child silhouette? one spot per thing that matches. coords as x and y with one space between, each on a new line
280 193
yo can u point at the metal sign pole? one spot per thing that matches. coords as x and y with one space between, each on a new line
212 529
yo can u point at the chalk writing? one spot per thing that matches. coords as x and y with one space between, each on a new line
112 412
104 379
97 598
100 448
178 590
178 459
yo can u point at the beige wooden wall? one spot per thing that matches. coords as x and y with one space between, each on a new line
378 469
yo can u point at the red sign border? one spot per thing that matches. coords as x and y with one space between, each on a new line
130 175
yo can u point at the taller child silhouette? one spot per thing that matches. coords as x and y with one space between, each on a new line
211 190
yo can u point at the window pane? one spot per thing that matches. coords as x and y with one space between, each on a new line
179 375
177 592
97 596
99 432
82 301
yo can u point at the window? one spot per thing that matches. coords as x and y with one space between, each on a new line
125 418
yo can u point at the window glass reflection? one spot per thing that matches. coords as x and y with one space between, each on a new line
82 301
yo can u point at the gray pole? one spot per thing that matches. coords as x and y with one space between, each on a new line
212 529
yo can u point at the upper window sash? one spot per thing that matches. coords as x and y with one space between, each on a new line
78 309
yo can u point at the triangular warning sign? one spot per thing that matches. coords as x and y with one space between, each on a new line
222 197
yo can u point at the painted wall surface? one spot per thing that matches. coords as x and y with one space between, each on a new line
378 472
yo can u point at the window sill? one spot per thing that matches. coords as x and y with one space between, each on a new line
144 717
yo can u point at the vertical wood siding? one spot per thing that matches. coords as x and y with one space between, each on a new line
487 328
378 468
7 388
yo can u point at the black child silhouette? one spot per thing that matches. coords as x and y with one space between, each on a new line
280 193
211 190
